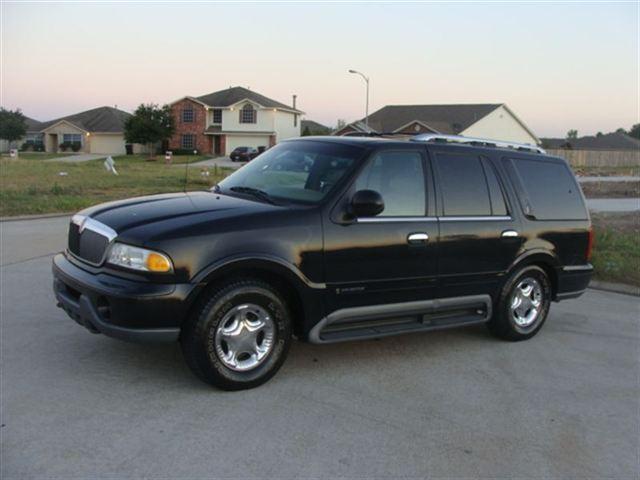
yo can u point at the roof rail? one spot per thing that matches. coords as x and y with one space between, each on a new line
435 137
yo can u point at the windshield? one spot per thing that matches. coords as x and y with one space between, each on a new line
302 171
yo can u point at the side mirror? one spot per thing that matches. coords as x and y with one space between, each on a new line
366 203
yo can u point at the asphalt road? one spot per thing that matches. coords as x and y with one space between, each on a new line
455 403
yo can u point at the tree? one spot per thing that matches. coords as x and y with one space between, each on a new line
599 134
572 134
621 130
12 125
306 132
635 131
149 125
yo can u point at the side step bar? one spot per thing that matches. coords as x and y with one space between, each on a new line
377 321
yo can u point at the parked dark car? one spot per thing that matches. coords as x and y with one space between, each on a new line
243 154
332 239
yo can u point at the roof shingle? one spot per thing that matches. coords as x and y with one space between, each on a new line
101 119
231 96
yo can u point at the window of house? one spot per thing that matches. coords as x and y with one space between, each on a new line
399 178
34 138
464 185
72 138
217 115
188 141
546 189
187 115
248 114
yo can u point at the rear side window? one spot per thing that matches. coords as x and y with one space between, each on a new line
469 186
547 190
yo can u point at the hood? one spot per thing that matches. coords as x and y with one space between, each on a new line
137 212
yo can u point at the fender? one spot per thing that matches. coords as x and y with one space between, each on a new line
269 262
534 255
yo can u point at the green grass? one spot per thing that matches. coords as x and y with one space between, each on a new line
616 255
27 189
159 159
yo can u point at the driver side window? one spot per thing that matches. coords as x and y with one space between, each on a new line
399 177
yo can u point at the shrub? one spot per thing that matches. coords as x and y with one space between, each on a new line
38 147
26 146
184 151
76 146
64 146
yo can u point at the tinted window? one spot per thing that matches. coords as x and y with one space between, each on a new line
547 190
498 205
298 170
463 185
399 178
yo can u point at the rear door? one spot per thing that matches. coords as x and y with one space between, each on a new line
392 257
479 233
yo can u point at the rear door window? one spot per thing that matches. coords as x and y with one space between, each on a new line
469 186
547 189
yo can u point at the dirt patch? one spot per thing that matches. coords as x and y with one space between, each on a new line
619 222
611 189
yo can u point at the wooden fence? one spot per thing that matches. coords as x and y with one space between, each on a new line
598 158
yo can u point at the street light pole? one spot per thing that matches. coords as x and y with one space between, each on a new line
366 79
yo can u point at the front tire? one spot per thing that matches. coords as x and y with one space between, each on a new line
238 336
523 305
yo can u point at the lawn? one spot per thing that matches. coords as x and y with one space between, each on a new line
616 252
28 187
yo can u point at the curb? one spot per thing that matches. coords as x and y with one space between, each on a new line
615 287
21 218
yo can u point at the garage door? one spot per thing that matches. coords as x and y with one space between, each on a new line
256 141
107 144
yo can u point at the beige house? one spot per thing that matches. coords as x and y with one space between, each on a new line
495 121
99 130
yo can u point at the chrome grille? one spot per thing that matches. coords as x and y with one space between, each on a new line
89 239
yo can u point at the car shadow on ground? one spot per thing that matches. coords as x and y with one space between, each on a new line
162 366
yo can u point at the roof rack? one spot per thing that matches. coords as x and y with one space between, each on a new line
433 137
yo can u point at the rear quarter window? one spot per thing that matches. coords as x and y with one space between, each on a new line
547 189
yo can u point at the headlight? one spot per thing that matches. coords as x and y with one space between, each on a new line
137 258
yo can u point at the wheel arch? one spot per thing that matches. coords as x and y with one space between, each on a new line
300 293
543 259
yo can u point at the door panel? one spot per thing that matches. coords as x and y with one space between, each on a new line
392 257
479 237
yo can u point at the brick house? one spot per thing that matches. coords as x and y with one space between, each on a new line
218 122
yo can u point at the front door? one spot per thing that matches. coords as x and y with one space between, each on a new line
392 257
216 145
479 232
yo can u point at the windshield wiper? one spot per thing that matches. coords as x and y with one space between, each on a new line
260 194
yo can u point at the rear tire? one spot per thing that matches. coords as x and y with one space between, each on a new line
238 336
523 305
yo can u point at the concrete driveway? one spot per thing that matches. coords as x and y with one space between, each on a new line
451 404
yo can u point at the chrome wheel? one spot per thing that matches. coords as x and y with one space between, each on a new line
526 302
244 337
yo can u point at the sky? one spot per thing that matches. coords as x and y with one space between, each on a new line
559 65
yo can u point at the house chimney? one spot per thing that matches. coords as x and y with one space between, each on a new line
294 101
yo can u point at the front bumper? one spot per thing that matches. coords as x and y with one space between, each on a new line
125 309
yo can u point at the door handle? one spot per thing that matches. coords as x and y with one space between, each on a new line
509 234
419 237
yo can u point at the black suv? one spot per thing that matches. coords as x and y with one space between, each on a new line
243 154
332 239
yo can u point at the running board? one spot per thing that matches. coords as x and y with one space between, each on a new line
377 321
